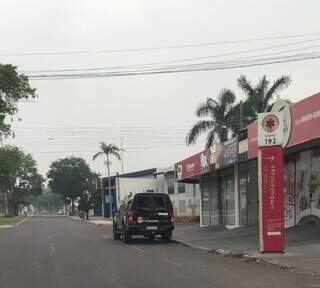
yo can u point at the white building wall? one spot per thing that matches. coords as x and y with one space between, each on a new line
125 186
185 204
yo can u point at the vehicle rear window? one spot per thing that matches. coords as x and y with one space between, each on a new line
152 202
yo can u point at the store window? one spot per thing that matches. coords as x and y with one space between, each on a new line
214 200
314 188
303 191
243 181
227 197
170 185
289 193
205 202
181 187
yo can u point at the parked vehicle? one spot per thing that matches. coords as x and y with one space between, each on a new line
147 214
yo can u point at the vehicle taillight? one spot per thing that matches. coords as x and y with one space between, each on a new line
130 217
172 216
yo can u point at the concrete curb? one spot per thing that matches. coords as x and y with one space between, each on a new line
90 221
14 225
22 221
100 224
247 257
6 226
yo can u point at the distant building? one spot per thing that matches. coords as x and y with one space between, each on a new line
185 197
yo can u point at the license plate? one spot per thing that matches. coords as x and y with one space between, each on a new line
151 227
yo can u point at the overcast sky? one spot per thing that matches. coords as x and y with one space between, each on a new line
152 112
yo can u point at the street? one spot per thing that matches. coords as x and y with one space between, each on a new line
60 252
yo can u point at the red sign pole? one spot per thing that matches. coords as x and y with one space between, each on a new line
271 199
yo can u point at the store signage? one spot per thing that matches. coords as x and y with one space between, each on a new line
271 199
252 140
284 107
270 129
304 124
229 153
305 120
195 165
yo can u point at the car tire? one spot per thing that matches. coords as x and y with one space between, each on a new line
166 237
151 237
126 237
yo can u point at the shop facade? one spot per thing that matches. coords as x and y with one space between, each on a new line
229 188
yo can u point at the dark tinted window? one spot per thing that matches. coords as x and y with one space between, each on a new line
152 202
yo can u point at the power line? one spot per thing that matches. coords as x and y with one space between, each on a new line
159 47
92 151
143 65
258 62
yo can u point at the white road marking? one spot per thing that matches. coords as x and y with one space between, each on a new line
106 236
170 261
138 249
52 247
73 223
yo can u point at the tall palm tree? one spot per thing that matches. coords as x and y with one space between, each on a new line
108 150
259 97
218 125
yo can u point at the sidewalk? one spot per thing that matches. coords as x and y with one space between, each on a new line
99 221
302 248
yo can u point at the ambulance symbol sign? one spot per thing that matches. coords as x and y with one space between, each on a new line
270 129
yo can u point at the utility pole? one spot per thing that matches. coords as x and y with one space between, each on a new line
121 141
6 202
241 115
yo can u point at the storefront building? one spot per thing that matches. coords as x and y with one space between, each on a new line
302 159
229 188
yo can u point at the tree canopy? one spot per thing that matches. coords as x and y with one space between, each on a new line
259 98
13 87
225 117
19 177
218 122
71 177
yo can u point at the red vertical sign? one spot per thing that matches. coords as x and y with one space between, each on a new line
271 199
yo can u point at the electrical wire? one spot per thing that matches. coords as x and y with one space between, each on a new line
259 62
143 65
159 47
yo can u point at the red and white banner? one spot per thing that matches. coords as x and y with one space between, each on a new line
271 199
305 123
195 165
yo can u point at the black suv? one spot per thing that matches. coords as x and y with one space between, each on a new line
147 214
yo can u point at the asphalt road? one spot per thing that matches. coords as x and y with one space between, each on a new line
60 252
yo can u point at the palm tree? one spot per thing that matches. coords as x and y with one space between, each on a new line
108 150
219 124
259 97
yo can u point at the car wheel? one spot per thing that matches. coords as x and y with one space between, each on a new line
152 237
166 237
126 237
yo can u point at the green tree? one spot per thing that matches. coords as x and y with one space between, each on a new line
218 124
108 150
19 177
13 87
86 203
69 177
260 96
